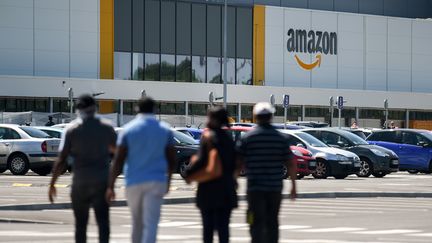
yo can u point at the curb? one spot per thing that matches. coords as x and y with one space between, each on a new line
184 200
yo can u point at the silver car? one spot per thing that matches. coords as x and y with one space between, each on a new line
330 161
52 131
23 148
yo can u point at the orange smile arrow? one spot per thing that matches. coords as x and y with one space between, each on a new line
310 66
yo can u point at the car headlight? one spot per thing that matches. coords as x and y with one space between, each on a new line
297 153
340 157
378 153
356 158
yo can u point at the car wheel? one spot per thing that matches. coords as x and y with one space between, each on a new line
366 168
340 177
379 174
183 167
284 172
18 164
321 171
42 171
413 171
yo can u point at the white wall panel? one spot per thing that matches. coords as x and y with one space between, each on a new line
422 56
83 65
376 55
325 76
399 54
14 62
51 63
351 51
16 17
274 44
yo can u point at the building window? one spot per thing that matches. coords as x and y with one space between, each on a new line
171 108
214 69
138 66
183 70
122 65
60 105
198 109
41 105
246 113
244 71
167 67
230 71
199 64
151 69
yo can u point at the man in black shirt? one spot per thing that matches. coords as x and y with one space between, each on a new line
264 151
90 141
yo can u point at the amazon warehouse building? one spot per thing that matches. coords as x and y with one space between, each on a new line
172 50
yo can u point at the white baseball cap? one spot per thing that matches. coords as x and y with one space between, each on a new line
263 108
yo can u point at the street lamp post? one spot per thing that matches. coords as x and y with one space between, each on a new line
225 56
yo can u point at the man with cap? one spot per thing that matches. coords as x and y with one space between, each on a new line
263 152
89 141
50 122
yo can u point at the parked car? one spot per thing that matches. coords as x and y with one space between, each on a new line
356 131
52 131
313 124
330 161
375 160
195 133
303 158
23 148
414 147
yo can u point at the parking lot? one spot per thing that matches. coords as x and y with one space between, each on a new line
322 218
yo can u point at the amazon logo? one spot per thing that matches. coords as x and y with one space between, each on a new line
319 42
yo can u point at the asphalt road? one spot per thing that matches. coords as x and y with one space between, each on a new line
32 189
367 220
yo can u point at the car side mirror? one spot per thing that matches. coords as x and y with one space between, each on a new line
300 145
341 144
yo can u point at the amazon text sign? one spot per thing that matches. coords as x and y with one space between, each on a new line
320 42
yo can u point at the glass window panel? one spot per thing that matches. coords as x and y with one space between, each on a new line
183 70
293 113
396 115
151 69
41 105
371 114
122 25
244 33
246 113
214 69
167 67
232 112
60 105
420 115
244 71
198 29
198 109
122 65
183 28
2 104
171 108
29 105
138 25
152 25
230 71
168 27
138 66
231 31
214 39
199 69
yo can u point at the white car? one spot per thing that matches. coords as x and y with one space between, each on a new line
52 131
23 148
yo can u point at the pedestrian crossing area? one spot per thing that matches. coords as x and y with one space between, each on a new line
354 220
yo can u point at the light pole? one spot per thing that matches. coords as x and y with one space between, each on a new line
225 55
71 95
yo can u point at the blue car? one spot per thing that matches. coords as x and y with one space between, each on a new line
414 147
195 133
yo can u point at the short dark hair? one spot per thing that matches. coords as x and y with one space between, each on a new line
264 118
146 105
85 101
219 115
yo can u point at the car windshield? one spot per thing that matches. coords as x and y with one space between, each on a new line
183 139
35 133
52 133
311 140
354 138
360 134
428 135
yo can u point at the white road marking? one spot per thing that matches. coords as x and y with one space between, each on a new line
292 227
387 232
176 224
421 235
329 230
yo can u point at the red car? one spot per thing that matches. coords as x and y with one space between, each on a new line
306 163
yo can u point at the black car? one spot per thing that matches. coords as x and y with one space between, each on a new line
312 124
185 147
375 160
357 132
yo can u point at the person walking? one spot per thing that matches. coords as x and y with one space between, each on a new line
90 142
264 151
217 197
145 150
50 122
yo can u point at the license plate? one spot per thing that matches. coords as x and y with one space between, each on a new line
312 163
395 162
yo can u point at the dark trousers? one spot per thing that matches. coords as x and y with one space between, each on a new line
84 196
262 216
216 219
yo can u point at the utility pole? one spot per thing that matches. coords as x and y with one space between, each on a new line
225 56
70 95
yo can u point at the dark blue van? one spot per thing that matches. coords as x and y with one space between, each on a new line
414 147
